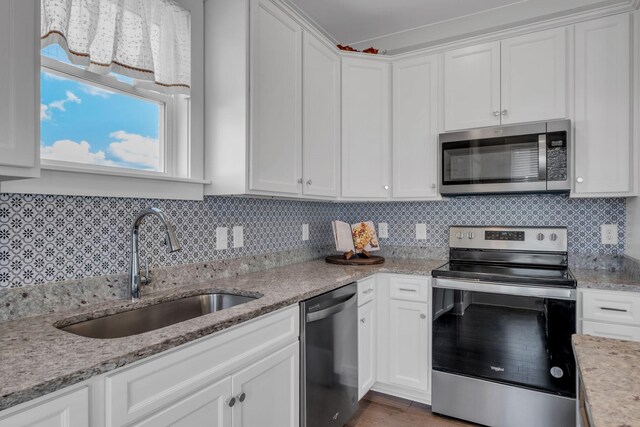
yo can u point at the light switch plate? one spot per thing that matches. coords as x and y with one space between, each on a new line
421 231
383 230
609 234
305 231
221 238
238 236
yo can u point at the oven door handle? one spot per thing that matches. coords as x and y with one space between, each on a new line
507 289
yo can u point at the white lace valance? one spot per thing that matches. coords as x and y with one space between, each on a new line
148 40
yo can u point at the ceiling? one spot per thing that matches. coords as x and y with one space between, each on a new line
362 22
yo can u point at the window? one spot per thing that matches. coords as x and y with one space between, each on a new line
101 122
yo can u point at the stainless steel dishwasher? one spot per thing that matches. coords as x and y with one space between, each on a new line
329 358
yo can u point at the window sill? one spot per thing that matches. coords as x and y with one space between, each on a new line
78 181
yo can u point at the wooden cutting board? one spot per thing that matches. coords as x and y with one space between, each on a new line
339 259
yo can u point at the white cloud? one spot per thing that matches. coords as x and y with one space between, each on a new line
60 104
71 151
44 114
137 149
95 91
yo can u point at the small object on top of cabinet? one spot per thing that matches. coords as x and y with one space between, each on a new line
340 260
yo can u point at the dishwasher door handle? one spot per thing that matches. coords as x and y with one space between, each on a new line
323 314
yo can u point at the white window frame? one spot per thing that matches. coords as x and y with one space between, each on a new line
166 134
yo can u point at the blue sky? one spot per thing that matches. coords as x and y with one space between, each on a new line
86 123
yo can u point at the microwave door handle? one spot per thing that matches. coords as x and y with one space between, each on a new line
542 157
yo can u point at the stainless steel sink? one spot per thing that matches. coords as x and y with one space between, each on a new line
157 316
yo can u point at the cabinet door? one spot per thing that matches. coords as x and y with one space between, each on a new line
472 87
534 77
415 129
271 391
408 344
69 410
602 106
321 123
19 84
276 61
366 348
608 330
208 407
366 150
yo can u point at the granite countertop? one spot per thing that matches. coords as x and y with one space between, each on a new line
37 358
610 372
606 280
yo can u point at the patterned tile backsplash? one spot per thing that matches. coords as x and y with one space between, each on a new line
55 238
583 218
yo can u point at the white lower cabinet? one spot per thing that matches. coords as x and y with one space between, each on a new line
609 314
67 410
366 347
404 336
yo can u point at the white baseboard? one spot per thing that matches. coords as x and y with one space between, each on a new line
403 392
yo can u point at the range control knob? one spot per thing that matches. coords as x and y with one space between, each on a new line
470 235
540 236
460 235
553 237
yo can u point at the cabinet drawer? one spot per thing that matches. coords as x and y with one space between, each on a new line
71 409
409 288
616 307
366 290
150 386
607 330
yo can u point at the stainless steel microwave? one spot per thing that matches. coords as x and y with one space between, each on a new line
526 158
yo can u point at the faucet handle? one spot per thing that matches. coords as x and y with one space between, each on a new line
144 278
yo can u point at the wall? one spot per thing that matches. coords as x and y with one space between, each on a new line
54 238
582 217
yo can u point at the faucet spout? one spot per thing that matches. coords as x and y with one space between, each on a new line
135 278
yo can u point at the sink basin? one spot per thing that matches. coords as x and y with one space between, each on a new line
157 316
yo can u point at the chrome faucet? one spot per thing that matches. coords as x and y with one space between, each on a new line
135 278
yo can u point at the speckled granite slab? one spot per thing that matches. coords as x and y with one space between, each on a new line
610 371
38 359
607 280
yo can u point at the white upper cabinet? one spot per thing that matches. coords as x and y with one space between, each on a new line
276 94
534 77
472 87
19 89
603 150
366 104
415 127
321 118
516 80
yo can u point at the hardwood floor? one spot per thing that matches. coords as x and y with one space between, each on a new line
380 410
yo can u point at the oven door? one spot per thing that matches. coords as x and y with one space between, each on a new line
512 335
494 160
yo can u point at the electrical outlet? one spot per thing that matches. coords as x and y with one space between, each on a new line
305 231
238 236
383 230
421 231
609 234
221 238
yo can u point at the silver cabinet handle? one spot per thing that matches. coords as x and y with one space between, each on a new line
619 310
580 180
299 180
433 186
362 320
505 112
423 316
386 187
231 401
308 182
496 113
368 291
406 290
241 397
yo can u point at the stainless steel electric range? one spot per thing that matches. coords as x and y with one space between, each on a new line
503 315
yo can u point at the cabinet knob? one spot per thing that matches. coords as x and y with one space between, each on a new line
496 113
309 182
505 112
242 397
386 187
362 320
232 401
299 180
433 186
580 180
423 316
